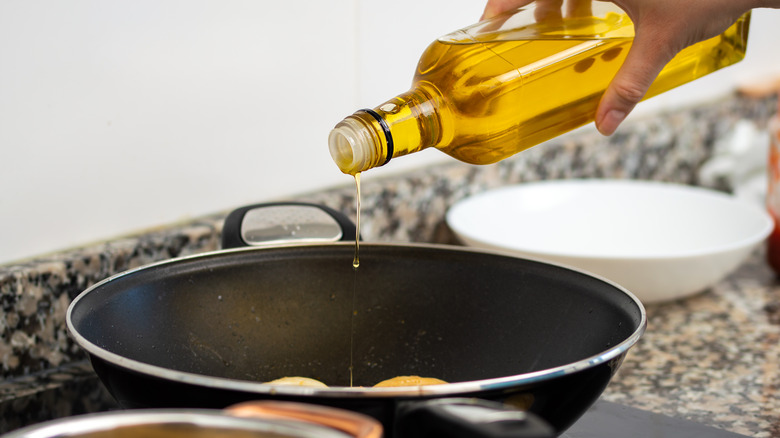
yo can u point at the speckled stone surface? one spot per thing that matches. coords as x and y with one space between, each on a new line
35 294
712 358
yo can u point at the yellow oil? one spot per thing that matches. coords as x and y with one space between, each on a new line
355 266
356 258
482 96
553 87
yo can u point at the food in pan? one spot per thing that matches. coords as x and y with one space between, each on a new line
298 381
389 383
409 381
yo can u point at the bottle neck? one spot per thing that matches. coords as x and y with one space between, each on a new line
370 138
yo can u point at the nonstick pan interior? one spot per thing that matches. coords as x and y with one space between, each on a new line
259 314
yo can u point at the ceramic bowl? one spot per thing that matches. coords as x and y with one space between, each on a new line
660 241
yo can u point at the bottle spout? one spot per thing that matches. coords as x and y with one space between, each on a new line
355 145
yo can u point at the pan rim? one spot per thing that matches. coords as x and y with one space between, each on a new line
448 389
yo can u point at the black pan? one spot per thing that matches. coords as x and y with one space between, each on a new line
207 331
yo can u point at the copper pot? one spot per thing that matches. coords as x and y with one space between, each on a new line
260 419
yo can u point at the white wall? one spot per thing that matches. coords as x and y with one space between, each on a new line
118 116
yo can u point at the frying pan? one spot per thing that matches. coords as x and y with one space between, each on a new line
525 345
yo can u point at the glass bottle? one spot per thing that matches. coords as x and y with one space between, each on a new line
490 90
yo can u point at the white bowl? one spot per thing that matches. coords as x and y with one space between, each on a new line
660 241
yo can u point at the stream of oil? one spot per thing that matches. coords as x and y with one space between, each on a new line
356 259
355 266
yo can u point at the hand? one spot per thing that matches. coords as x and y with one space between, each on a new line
662 28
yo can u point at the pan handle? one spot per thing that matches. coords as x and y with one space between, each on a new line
468 418
285 222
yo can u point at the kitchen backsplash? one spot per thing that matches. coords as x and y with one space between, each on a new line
406 208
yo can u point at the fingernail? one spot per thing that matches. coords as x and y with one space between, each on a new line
611 121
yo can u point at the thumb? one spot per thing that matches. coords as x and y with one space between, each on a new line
645 60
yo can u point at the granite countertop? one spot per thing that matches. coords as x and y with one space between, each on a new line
712 358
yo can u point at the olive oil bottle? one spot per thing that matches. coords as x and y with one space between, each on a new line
490 90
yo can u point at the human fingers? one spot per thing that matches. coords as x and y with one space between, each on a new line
579 8
648 55
663 28
496 7
545 10
548 11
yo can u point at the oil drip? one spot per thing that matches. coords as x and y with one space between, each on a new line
355 266
356 259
